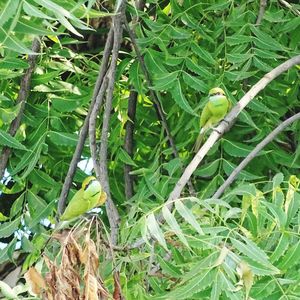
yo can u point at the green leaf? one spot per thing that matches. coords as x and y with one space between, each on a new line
203 54
195 285
209 169
125 158
42 214
281 247
155 230
12 43
278 213
63 138
30 27
237 149
238 39
7 115
188 216
7 140
194 82
267 39
154 63
180 99
8 11
228 168
30 158
33 11
291 258
171 221
192 66
168 268
165 81
35 202
8 228
13 63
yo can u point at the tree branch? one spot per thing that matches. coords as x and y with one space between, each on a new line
262 8
84 130
225 125
22 97
128 145
289 6
112 212
254 152
155 99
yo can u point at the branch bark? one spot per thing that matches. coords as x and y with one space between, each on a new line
226 124
262 8
254 152
22 97
84 130
128 145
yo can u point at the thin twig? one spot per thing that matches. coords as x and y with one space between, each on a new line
128 145
112 212
155 99
22 97
262 8
289 6
226 124
254 152
84 130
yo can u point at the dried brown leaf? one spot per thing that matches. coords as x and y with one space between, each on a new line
91 287
35 281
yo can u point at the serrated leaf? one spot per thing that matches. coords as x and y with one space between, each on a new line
291 257
8 11
7 140
155 230
237 149
195 285
154 63
125 158
228 168
171 221
164 81
188 216
8 228
180 99
209 169
13 63
168 268
12 43
279 215
41 179
7 115
63 138
203 54
42 214
251 250
33 11
192 66
281 247
194 82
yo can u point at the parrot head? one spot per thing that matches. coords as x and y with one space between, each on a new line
216 92
92 188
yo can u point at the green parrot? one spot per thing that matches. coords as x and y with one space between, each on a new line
89 196
213 112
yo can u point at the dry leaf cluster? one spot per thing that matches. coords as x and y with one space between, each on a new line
73 275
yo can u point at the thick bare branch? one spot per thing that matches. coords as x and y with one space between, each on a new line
225 125
22 97
254 152
111 209
84 130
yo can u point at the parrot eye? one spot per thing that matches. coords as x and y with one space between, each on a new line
87 186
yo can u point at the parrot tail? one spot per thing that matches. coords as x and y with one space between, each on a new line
199 140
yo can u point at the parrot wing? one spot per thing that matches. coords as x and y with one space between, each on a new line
76 207
205 115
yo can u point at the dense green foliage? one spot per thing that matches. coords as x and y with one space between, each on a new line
188 47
